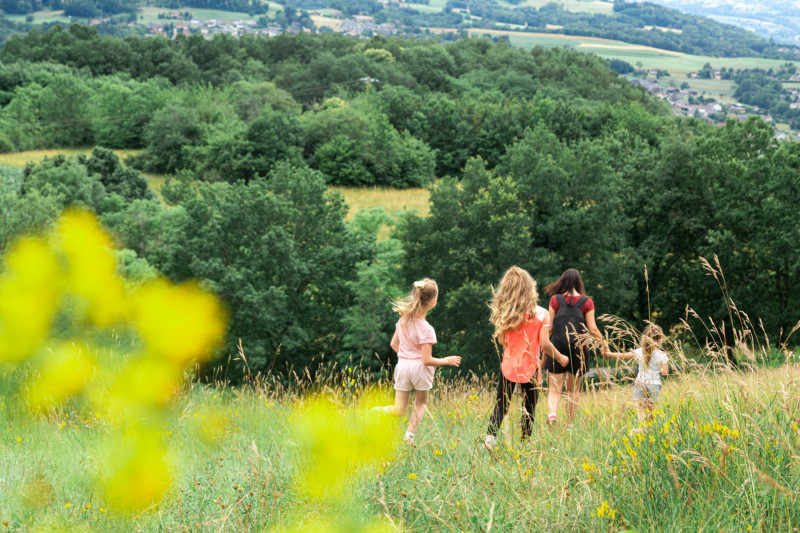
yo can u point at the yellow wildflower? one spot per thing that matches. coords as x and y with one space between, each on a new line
30 289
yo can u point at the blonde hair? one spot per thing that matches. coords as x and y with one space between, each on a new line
652 336
515 297
415 304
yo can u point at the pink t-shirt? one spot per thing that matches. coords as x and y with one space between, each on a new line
521 351
413 334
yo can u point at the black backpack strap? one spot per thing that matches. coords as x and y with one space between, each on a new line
562 302
582 300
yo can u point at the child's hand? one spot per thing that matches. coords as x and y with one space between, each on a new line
453 360
563 360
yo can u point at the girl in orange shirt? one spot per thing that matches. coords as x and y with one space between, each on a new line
522 328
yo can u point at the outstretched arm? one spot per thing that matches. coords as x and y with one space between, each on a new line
617 355
429 360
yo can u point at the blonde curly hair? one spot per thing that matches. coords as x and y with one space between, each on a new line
515 296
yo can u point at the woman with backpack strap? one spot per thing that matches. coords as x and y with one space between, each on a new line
571 314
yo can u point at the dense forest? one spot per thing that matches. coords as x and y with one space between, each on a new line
544 158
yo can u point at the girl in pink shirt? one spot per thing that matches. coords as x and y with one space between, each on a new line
522 328
413 341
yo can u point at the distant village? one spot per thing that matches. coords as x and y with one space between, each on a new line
684 102
182 23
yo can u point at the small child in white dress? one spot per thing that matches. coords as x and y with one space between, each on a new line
653 363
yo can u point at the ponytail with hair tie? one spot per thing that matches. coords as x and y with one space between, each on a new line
418 300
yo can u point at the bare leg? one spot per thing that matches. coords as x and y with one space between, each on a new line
400 402
644 410
573 393
555 383
420 402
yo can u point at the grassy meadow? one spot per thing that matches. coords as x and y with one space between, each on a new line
720 455
43 16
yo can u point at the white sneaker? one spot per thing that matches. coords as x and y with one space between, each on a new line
489 442
409 438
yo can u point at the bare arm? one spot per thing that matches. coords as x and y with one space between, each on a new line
395 344
552 321
591 325
664 369
549 349
618 355
429 360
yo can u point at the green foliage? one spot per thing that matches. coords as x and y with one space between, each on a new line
24 213
171 130
279 254
356 145
369 322
66 181
117 178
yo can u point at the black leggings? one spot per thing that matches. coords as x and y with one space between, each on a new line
505 389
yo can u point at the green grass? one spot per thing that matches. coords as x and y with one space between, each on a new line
720 455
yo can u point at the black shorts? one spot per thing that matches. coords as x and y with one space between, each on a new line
578 363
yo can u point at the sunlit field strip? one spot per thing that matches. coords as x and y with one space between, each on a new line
20 159
393 200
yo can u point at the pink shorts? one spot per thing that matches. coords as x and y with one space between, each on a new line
412 374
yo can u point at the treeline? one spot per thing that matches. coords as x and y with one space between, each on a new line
74 8
631 22
553 160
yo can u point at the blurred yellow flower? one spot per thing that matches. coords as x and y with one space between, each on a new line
143 381
30 289
338 443
180 322
76 269
65 372
136 473
91 267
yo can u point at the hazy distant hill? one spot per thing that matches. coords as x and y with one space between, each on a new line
773 19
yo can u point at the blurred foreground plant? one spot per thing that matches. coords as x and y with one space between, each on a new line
70 274
339 445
